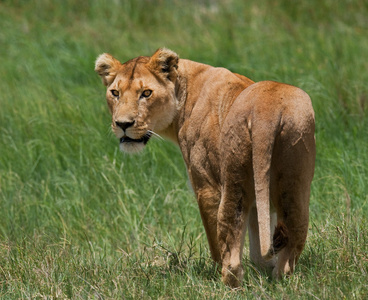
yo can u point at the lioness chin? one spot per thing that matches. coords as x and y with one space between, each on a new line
249 149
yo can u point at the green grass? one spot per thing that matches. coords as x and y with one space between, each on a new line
79 219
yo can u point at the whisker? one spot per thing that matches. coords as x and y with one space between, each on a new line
155 135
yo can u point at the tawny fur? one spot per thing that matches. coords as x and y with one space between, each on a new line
279 241
249 149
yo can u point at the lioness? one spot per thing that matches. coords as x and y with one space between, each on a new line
249 149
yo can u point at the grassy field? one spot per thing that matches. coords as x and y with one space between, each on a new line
79 219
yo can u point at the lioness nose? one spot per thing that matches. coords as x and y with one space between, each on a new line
124 125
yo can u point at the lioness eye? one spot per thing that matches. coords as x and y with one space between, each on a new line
146 93
115 93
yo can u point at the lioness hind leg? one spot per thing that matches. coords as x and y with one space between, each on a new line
232 216
288 257
293 182
293 211
208 202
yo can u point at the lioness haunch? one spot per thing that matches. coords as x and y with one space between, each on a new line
249 149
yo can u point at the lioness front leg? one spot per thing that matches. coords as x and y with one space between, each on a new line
232 219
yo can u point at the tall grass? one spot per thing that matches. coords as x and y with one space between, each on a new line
79 219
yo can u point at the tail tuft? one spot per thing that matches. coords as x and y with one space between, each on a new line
280 240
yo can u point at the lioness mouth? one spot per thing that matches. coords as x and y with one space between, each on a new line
144 139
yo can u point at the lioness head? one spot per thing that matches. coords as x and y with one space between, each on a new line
140 95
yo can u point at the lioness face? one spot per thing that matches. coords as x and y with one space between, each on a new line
140 96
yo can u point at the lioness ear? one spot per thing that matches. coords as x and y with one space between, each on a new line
165 63
106 66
